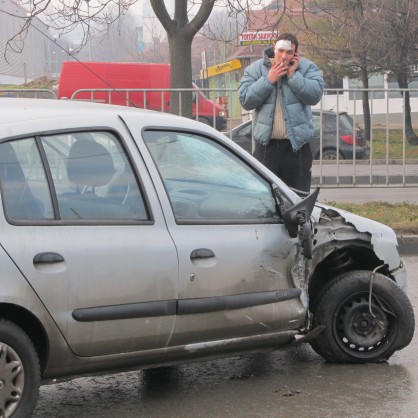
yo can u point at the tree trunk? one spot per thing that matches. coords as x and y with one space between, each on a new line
180 33
181 73
366 107
402 79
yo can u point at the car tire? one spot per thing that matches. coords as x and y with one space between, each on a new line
352 334
329 154
203 120
19 371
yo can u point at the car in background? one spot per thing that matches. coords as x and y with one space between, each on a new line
351 137
136 239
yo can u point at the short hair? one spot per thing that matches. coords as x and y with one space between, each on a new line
289 37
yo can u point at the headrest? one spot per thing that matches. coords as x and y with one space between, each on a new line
9 164
89 164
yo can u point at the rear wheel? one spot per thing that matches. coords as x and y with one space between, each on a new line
330 154
20 375
360 328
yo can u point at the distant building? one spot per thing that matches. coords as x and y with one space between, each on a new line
36 56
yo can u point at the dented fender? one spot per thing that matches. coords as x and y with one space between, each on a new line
341 225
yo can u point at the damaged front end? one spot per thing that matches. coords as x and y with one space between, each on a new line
353 284
343 242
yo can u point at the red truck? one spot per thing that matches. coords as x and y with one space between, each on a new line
127 76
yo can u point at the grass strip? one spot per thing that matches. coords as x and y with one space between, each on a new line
402 217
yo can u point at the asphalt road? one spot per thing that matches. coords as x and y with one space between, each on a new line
293 382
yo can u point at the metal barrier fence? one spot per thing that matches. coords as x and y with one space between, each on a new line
28 93
391 160
204 110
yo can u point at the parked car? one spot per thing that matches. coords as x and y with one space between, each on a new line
349 134
132 238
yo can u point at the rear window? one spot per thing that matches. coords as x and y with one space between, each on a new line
346 121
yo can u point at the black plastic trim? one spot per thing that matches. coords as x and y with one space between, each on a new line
183 306
132 310
224 303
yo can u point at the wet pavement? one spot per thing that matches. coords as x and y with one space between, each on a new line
291 382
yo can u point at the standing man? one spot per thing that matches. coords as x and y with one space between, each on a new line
282 87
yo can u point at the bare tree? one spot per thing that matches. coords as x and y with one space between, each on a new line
363 37
156 45
87 16
180 34
396 49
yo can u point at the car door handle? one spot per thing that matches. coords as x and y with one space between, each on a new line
201 253
49 258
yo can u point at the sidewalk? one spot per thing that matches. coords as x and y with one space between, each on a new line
331 173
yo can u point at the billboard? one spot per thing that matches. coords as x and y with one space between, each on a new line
258 38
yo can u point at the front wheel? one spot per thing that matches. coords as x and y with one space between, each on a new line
19 372
360 328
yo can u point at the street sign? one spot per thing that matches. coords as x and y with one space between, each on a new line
221 68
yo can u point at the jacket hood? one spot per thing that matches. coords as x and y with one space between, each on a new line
269 52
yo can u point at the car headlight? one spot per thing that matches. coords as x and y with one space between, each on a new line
222 113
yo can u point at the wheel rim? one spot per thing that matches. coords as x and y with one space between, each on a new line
329 156
360 333
12 380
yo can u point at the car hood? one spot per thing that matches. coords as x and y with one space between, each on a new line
382 237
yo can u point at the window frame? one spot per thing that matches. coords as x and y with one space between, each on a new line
37 137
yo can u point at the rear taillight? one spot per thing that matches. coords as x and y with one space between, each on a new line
348 139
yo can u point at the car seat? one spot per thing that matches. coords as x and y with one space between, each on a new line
18 200
89 166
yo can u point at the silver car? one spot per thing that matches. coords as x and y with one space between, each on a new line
136 239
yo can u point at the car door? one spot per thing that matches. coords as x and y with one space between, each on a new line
236 260
89 236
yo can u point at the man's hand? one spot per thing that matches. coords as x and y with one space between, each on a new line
277 71
294 62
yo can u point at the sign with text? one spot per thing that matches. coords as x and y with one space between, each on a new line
258 38
221 68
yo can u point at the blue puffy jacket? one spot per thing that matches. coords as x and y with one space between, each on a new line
298 92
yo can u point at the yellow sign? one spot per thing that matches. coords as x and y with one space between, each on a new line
221 68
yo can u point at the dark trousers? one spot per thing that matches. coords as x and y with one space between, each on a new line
294 168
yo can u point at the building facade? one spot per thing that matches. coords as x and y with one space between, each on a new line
29 56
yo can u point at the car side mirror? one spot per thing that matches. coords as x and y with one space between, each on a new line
297 221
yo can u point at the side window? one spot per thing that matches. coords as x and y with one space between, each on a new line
92 177
23 183
207 183
316 118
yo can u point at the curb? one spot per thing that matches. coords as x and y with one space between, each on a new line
408 244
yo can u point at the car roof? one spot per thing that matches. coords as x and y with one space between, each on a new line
328 112
17 110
